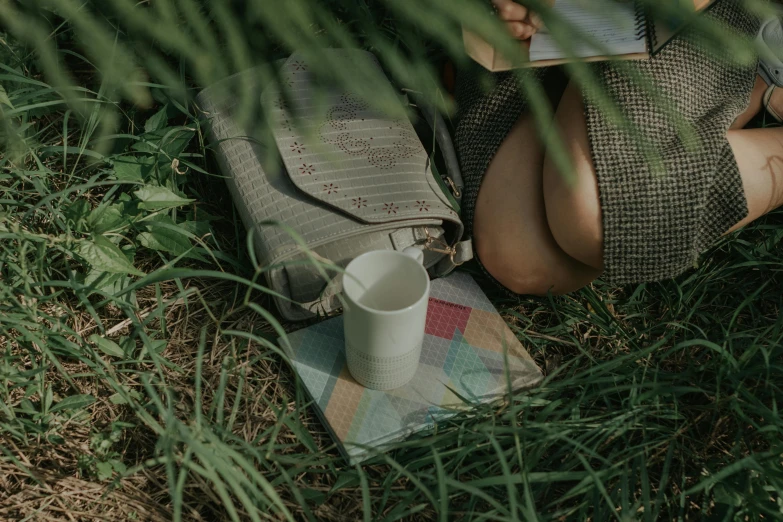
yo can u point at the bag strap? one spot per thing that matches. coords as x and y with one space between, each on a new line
438 126
461 252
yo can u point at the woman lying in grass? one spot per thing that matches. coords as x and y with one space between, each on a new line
535 232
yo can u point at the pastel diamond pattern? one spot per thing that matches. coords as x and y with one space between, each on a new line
434 350
462 291
488 331
463 348
466 369
380 420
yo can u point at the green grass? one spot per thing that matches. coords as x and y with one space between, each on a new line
139 379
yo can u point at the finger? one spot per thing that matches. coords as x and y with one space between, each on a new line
520 30
510 11
534 20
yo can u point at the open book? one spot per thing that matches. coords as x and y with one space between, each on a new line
605 29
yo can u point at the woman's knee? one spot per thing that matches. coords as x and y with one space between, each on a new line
530 269
573 211
522 274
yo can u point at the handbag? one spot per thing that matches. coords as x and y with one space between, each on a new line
341 179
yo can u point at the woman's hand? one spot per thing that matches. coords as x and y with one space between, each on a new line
521 22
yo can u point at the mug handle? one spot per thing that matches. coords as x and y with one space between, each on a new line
415 253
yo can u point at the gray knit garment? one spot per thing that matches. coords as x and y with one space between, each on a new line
656 221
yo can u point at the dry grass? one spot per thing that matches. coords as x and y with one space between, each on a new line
44 495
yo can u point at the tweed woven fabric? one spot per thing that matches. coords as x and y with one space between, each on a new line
658 216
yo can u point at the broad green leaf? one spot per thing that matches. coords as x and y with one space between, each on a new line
117 399
119 466
107 346
724 494
154 346
157 345
104 255
199 214
164 235
158 198
197 228
105 470
158 121
157 218
165 240
102 281
76 212
107 217
170 141
4 99
132 168
73 402
313 495
348 479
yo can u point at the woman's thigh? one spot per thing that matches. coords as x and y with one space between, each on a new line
572 200
511 231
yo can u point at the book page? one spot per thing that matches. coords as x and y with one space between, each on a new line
612 24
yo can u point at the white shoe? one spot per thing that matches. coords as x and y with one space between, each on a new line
770 44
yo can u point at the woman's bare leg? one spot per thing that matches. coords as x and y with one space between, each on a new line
756 102
759 154
573 208
512 235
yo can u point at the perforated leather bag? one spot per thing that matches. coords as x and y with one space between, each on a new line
347 180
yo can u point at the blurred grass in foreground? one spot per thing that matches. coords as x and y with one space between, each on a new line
159 396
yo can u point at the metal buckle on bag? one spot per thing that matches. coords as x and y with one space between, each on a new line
454 189
435 244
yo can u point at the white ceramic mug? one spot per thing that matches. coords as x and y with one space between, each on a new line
386 297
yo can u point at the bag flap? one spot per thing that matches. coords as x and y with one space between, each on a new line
264 193
350 156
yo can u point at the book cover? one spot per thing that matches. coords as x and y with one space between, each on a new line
467 349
